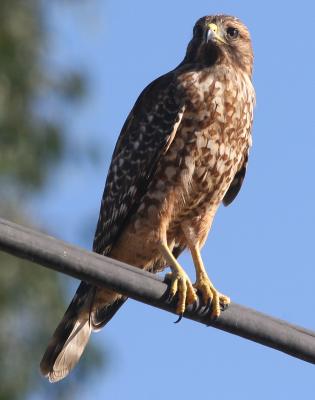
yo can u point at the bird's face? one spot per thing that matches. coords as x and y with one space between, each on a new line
219 38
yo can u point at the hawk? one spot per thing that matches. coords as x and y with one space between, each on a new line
182 151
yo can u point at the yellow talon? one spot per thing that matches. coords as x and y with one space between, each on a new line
181 285
210 295
180 282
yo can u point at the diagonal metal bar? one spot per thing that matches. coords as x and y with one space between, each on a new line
145 287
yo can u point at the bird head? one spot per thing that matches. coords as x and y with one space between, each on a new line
219 39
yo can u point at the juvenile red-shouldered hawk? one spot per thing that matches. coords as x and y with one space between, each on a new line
181 152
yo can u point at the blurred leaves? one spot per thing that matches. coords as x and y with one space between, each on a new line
31 145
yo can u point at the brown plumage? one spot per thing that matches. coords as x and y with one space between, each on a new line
182 151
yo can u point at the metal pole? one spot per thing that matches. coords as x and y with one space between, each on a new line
147 288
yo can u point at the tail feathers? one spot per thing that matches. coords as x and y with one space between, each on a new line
71 336
101 315
90 309
65 358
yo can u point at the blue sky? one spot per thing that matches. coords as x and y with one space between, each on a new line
261 248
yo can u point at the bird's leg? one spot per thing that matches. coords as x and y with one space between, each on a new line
203 284
210 295
180 282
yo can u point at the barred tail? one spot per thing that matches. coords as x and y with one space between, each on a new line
83 316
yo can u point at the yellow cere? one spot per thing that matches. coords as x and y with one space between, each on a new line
213 27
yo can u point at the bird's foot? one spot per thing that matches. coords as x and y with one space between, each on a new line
213 299
182 287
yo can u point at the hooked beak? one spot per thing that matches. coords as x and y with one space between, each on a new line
214 34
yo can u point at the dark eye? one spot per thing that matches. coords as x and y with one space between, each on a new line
232 33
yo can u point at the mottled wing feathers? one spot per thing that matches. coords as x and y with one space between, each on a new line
236 184
145 136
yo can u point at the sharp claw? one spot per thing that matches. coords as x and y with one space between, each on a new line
179 319
194 306
206 306
170 297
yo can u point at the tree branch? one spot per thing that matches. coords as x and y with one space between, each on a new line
147 288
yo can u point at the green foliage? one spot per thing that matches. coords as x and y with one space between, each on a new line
29 143
31 298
